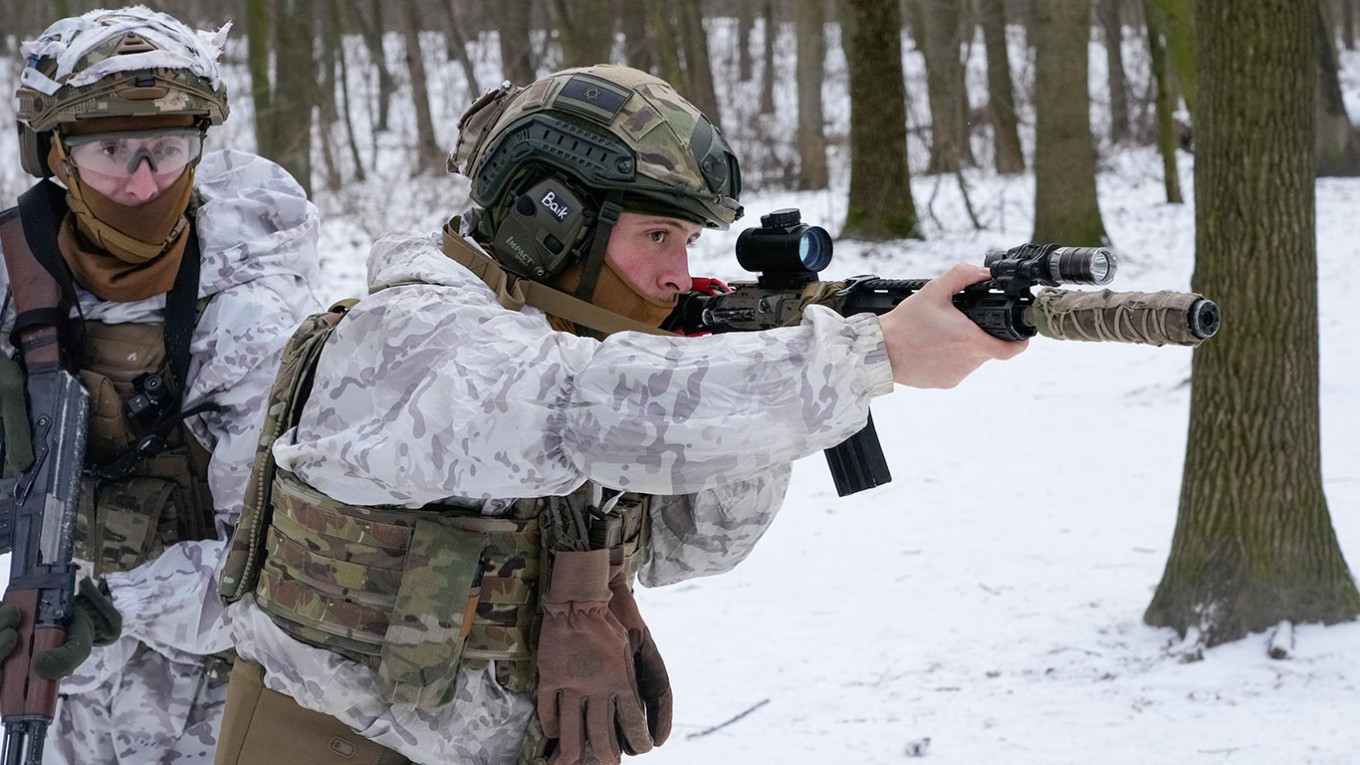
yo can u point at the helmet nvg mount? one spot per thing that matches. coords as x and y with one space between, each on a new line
132 62
553 164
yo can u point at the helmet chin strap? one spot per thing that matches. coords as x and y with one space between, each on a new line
599 244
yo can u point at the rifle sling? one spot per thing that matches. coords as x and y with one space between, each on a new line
40 280
515 293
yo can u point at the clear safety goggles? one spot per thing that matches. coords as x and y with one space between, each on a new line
120 154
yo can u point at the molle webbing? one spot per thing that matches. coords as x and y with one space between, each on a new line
343 577
164 498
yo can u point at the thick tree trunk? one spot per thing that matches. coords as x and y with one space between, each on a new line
637 38
329 112
880 205
699 87
259 52
295 33
1000 89
1166 127
1254 543
1338 150
512 30
585 30
428 154
1348 23
1176 19
938 28
812 169
667 54
1113 26
1066 209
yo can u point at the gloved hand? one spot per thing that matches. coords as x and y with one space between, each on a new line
95 621
587 692
654 684
15 435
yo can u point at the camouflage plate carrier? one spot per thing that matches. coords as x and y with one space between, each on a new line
413 594
130 514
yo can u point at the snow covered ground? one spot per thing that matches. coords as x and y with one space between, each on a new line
986 606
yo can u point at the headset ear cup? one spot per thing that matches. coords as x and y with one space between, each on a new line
33 150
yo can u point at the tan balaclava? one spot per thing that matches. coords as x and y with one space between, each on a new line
123 253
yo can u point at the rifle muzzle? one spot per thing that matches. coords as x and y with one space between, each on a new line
1147 318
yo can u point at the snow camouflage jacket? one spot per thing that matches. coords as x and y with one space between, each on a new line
257 235
429 391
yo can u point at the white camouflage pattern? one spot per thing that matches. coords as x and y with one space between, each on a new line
69 40
145 698
429 390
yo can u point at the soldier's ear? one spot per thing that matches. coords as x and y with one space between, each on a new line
33 150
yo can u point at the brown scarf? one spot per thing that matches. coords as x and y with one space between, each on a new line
613 294
120 253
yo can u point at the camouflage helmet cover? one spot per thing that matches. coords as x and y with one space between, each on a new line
121 63
611 127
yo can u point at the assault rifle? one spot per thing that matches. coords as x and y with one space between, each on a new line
787 254
39 533
39 507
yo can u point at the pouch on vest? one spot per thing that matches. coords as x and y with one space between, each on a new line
122 524
430 619
162 497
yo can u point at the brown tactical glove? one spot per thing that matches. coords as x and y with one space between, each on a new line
587 692
653 682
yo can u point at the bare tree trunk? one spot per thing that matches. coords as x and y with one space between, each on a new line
812 169
1010 158
880 205
328 112
667 55
938 29
585 30
372 30
746 20
699 87
259 52
338 8
428 154
512 29
1254 543
1177 20
1066 209
458 47
294 41
770 35
1338 150
1166 128
1108 12
637 38
1348 23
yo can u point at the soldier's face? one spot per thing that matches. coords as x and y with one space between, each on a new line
131 190
651 254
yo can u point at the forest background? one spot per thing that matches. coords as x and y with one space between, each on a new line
1091 552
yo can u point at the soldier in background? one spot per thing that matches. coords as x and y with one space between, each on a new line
184 275
461 476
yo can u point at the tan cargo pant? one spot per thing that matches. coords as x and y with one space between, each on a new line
265 727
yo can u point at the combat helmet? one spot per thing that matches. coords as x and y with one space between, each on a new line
130 62
554 163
